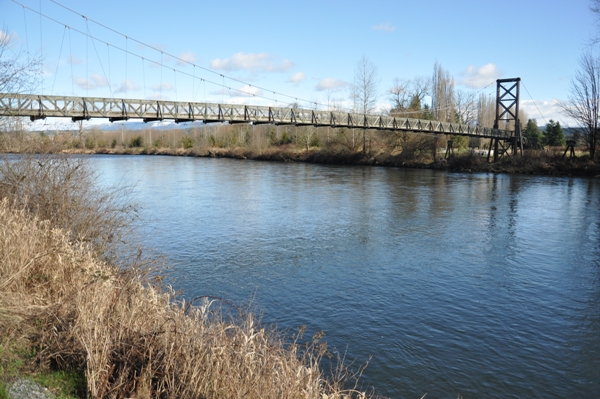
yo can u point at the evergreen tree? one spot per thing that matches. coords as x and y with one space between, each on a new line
533 136
553 135
427 112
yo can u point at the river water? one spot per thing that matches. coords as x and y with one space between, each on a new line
482 285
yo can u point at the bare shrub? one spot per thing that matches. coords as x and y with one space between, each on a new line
62 190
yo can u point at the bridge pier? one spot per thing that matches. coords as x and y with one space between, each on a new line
449 149
503 146
570 149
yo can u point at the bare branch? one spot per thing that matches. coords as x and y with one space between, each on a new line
584 102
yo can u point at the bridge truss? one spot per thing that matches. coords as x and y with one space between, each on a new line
85 108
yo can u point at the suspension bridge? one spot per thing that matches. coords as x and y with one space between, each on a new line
504 134
37 107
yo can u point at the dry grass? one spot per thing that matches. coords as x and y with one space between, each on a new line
129 334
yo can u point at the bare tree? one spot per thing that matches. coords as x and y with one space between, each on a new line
584 102
17 69
399 95
408 95
486 112
365 86
595 8
17 75
466 107
442 94
364 90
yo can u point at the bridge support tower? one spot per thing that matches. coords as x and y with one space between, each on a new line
507 118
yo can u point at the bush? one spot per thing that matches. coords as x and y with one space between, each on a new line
90 143
137 141
187 142
285 138
315 141
62 190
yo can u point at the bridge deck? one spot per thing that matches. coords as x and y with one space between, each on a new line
85 108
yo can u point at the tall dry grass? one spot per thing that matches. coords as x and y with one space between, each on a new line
130 335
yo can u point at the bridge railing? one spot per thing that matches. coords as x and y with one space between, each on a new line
84 108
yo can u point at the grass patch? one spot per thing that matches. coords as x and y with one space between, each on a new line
3 391
65 384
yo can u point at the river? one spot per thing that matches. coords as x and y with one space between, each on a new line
479 285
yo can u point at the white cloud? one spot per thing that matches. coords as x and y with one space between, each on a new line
164 86
219 92
95 82
244 91
477 78
159 96
127 85
385 27
186 57
248 91
7 37
331 84
297 77
262 62
543 111
74 60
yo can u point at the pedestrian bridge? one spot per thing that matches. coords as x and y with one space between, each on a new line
42 106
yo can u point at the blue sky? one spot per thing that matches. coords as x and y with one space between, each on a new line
273 52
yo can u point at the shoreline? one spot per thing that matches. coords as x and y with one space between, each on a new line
540 163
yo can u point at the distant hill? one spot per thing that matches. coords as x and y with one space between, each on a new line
134 125
138 125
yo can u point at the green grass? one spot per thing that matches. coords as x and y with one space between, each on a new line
3 391
64 384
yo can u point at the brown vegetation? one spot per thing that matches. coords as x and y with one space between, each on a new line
304 144
534 162
130 335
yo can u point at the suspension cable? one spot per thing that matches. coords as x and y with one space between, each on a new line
534 103
71 62
58 62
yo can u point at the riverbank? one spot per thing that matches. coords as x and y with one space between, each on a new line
74 299
303 144
533 162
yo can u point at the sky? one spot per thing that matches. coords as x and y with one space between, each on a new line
276 53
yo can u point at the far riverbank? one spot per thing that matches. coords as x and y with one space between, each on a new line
531 163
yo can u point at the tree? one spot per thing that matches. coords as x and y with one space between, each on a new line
466 107
365 86
532 135
17 69
486 111
364 90
442 93
408 96
17 75
584 102
553 135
